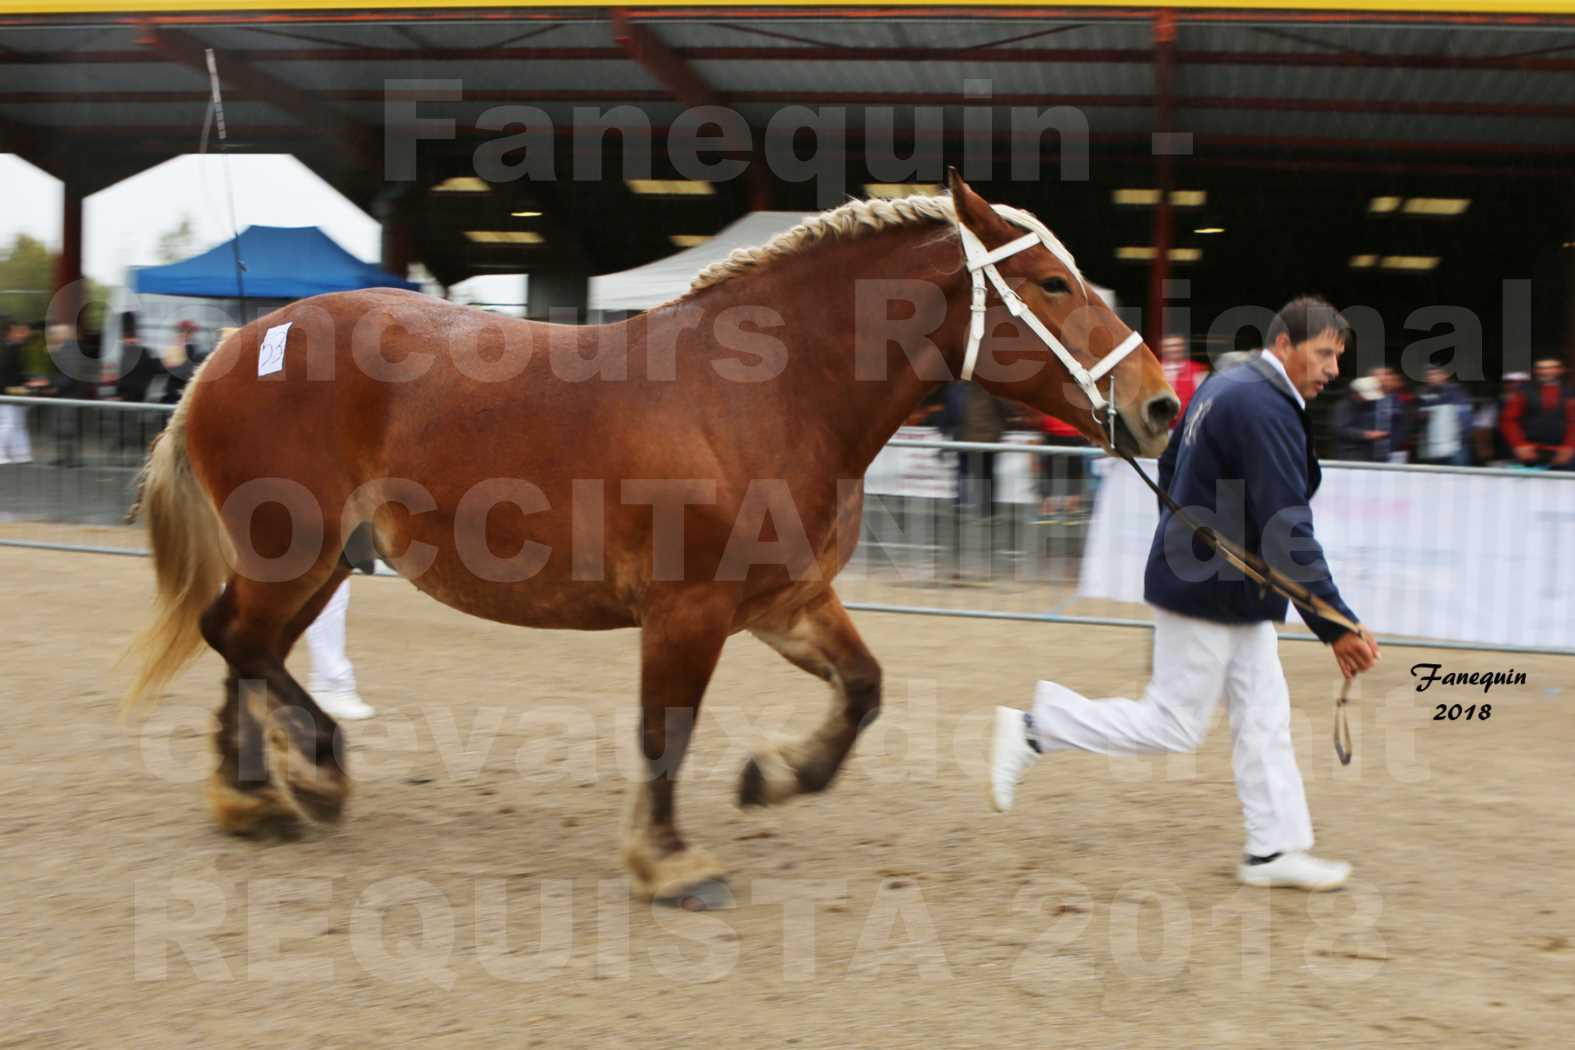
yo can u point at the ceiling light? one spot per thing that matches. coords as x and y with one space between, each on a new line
1147 198
670 187
689 240
893 190
526 214
1363 262
505 237
1410 263
1206 230
1383 205
1145 253
1437 205
461 184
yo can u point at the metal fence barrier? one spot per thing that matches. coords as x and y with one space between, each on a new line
1005 543
73 491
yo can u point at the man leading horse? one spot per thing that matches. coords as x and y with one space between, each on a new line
1243 455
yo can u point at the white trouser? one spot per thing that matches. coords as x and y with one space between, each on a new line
325 640
1195 661
14 445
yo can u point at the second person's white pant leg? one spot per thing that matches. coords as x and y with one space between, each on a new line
325 640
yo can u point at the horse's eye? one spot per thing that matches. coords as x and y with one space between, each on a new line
1055 285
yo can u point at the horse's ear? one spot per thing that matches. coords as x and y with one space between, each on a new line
972 209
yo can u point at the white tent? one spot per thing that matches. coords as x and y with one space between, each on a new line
656 282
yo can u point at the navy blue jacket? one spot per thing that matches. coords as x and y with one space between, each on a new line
1242 462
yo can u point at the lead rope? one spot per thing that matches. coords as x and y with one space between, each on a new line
1264 575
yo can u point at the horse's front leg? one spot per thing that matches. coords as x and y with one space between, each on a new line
679 647
821 639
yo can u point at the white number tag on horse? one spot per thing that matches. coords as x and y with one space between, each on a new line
270 356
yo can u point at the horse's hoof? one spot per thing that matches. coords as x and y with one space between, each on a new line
705 895
322 807
752 785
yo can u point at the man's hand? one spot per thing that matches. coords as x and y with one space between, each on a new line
1355 652
1377 435
1526 453
1563 456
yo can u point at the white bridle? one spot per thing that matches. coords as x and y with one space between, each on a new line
981 264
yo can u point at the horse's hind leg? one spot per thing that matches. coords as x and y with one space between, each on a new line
819 638
679 649
280 756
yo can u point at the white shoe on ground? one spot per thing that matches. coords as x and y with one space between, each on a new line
1010 756
343 704
1296 869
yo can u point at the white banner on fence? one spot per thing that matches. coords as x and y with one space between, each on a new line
932 473
1454 556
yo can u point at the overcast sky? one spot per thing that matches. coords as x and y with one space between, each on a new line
122 225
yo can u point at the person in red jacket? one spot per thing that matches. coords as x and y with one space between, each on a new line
1184 374
1539 419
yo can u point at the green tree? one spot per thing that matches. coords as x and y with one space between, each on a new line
177 243
26 277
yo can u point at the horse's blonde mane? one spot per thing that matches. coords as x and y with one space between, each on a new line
853 219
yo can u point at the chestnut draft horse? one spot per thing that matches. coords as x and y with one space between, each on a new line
704 479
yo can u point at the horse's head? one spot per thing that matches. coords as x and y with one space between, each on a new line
1065 346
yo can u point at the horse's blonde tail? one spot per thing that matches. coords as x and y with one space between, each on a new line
191 557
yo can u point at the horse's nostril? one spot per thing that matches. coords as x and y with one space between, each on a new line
1162 410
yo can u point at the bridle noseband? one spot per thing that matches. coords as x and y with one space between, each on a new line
981 264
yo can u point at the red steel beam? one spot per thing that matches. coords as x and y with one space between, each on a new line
274 137
66 305
1165 174
1352 16
662 62
1033 56
1527 110
677 76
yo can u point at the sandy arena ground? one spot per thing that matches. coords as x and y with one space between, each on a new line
473 898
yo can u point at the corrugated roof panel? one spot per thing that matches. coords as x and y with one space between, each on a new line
130 116
102 76
1392 85
1047 79
308 37
858 118
1373 40
466 113
1075 32
554 75
1381 126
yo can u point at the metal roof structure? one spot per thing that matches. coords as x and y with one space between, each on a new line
1303 90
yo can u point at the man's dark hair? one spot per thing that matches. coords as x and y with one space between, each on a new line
1307 317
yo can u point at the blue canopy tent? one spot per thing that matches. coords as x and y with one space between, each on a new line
281 262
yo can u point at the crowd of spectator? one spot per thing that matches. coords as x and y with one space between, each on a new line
72 368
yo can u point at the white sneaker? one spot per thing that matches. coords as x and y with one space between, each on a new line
1296 869
343 704
1010 756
